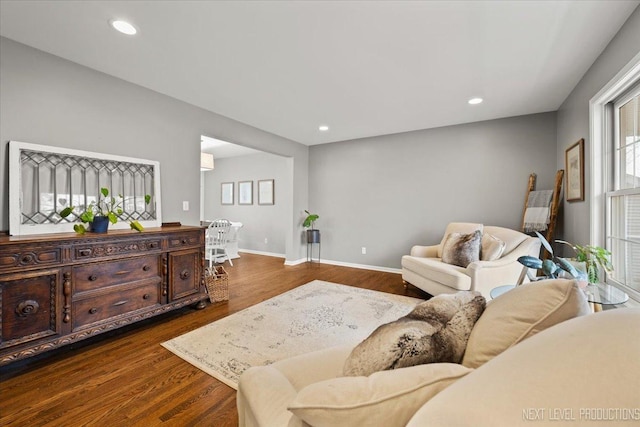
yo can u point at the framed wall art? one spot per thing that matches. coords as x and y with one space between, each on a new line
46 180
245 192
574 165
266 192
226 193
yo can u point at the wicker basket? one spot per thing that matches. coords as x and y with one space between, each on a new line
217 283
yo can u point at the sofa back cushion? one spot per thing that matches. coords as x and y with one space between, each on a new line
521 313
386 398
583 372
458 227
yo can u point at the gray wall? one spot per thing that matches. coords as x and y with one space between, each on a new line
48 100
259 221
573 119
388 193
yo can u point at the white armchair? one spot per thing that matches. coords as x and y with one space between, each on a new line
424 267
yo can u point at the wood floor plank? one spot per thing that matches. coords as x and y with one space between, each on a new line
126 378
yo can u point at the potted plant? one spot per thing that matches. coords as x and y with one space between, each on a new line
592 258
313 235
550 268
99 214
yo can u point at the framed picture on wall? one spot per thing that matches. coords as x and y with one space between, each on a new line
265 192
245 192
226 193
574 165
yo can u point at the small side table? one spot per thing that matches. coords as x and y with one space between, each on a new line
497 291
599 294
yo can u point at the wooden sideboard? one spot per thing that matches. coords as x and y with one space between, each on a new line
57 289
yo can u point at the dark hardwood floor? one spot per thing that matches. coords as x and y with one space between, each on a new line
125 378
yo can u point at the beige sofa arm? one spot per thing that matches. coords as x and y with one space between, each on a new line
425 251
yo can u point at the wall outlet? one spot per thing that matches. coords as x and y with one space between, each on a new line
266 241
185 206
364 250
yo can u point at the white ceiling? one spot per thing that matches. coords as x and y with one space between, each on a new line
362 67
222 149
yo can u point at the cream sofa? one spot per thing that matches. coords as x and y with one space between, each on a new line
424 267
527 360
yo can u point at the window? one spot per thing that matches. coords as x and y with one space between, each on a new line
623 198
614 117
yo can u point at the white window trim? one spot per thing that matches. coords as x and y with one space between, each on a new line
600 121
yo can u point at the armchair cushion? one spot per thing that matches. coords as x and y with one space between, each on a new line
462 249
458 227
520 314
492 248
388 398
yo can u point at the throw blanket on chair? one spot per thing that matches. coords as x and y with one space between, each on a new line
536 216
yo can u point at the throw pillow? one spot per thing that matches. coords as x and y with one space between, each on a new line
521 313
492 248
462 249
388 398
436 330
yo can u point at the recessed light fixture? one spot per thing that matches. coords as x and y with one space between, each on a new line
475 101
323 128
123 26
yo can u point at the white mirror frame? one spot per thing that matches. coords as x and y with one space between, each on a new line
16 228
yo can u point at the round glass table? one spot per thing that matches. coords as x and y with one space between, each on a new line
600 294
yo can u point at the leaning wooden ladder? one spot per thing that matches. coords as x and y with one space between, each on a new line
553 209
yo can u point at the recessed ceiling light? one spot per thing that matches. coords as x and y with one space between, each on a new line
124 27
474 101
323 128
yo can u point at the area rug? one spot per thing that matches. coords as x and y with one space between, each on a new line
311 317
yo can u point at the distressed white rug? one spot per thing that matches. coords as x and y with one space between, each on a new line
311 317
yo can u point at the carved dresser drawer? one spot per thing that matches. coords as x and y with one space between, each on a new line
184 240
101 249
26 256
119 301
102 274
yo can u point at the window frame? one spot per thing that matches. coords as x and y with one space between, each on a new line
602 131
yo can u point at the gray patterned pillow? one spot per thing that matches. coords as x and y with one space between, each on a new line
462 249
436 330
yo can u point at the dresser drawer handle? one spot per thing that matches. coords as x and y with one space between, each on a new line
124 301
26 259
146 268
146 296
93 310
153 245
84 252
27 307
93 278
184 241
184 274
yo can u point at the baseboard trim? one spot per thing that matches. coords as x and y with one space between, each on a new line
362 266
324 261
251 251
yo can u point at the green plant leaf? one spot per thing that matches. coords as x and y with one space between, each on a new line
147 199
135 225
79 228
545 243
104 191
66 211
530 261
112 217
86 216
